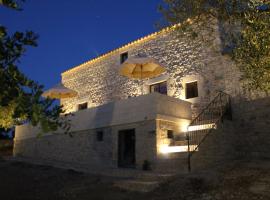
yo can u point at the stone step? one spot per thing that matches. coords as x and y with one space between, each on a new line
179 143
206 122
181 139
172 157
197 136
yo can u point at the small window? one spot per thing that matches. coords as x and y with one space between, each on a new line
191 90
123 57
159 87
99 136
170 134
82 106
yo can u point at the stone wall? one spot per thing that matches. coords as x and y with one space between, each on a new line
83 151
185 59
132 110
246 137
252 125
217 150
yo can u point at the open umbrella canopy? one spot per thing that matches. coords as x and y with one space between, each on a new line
59 92
141 68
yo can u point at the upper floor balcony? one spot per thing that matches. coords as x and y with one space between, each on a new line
136 109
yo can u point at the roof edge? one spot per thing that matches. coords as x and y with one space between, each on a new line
142 39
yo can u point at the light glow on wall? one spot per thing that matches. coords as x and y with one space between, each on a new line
128 45
120 49
202 127
175 149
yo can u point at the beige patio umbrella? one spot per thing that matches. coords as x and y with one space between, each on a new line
59 91
141 68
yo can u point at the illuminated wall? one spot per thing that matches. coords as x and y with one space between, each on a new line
98 82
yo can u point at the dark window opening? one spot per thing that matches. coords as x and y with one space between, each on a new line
82 106
123 57
170 134
99 136
159 87
191 90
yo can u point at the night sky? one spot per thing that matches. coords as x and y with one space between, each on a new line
72 32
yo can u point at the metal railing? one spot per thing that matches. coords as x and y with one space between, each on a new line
206 122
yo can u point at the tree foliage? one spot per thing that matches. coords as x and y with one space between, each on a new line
20 97
252 51
245 32
14 4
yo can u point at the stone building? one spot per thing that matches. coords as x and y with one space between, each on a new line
114 125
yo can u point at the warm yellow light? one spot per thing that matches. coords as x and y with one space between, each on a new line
120 49
202 127
175 149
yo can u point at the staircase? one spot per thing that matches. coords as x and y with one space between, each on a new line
207 121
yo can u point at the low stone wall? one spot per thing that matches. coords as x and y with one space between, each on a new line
82 150
217 150
247 137
252 123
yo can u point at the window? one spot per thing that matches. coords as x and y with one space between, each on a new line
99 135
170 134
191 90
82 106
123 57
159 87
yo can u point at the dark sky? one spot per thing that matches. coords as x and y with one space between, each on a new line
74 31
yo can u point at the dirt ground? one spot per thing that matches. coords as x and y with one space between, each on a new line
21 181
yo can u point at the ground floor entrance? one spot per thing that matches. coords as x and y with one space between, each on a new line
126 148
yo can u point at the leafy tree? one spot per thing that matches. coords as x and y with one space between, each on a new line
20 97
252 51
245 23
11 3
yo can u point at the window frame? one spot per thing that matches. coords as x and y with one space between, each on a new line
158 84
170 134
81 106
194 93
123 57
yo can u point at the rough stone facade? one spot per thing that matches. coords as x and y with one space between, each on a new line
78 149
252 125
83 151
185 59
246 137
